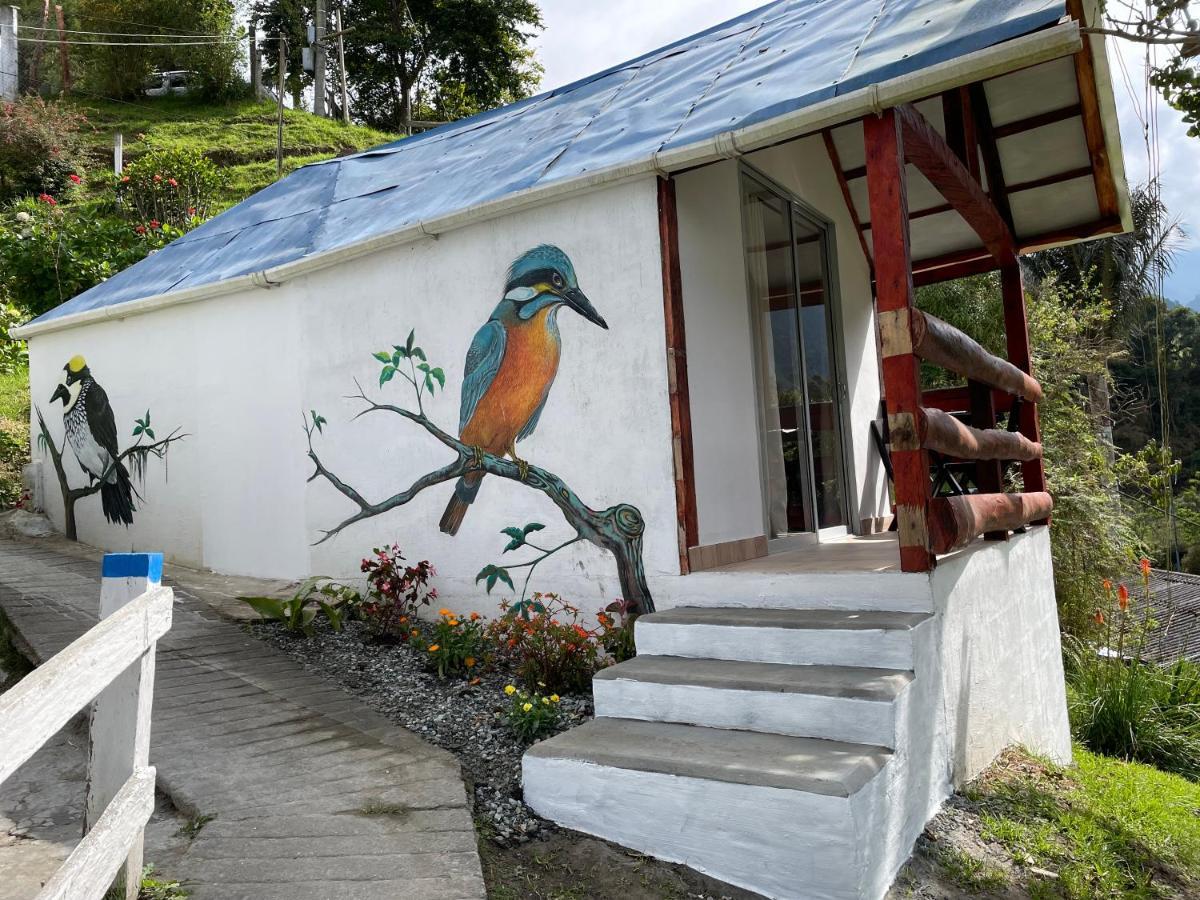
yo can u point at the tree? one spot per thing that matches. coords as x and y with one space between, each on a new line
289 18
442 57
1169 26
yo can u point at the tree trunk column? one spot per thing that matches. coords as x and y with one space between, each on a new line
1016 332
894 304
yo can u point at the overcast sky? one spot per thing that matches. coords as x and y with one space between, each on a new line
584 37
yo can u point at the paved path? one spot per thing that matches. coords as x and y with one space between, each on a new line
314 796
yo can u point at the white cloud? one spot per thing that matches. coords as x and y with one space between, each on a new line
582 38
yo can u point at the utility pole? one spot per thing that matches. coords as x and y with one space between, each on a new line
279 130
342 67
319 55
63 50
255 63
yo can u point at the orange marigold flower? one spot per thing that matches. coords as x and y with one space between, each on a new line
1098 616
469 662
444 612
1123 597
434 648
475 617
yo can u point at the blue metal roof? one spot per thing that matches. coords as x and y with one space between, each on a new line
774 60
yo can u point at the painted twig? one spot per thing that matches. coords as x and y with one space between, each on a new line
618 529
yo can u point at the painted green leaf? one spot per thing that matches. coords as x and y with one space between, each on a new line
150 433
418 352
383 356
423 367
137 430
517 535
504 576
408 345
440 376
388 373
532 526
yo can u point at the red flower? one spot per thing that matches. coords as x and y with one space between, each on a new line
124 179
46 198
1145 567
172 182
191 210
141 229
75 178
158 178
154 223
1123 597
1098 617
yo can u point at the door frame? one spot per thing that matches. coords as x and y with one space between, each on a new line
825 226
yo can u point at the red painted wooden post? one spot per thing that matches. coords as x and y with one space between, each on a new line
894 303
1016 330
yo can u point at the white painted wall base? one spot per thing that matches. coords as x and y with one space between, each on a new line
673 767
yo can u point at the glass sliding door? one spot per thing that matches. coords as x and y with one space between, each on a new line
799 385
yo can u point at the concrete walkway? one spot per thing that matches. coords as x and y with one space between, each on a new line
313 796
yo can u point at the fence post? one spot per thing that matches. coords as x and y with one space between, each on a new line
120 728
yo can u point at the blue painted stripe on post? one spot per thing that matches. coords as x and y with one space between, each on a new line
133 565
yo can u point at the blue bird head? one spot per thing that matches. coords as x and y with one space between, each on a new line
544 277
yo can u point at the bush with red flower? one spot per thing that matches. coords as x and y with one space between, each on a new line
396 591
40 146
546 643
174 187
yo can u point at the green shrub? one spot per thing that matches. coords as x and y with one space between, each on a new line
1124 706
39 147
395 591
454 645
315 595
50 253
531 715
174 187
546 644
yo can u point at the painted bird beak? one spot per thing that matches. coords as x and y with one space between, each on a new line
61 393
578 301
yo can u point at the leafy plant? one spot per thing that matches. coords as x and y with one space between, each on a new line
518 538
546 644
422 376
396 592
616 630
454 644
316 595
174 186
531 715
39 146
1126 706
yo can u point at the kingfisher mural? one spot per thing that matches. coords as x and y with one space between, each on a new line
511 365
90 428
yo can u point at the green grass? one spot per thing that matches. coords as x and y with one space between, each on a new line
239 137
1108 828
970 874
14 434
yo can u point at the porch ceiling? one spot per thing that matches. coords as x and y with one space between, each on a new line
1056 189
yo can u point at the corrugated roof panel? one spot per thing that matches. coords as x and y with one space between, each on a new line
768 62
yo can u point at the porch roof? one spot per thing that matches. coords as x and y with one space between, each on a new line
759 67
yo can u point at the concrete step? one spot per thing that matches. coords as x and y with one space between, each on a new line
870 638
905 592
728 802
840 703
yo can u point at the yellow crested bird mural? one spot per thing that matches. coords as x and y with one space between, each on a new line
512 363
91 430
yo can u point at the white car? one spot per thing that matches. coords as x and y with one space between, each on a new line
166 84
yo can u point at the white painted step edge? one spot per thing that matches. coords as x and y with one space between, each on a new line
850 719
813 590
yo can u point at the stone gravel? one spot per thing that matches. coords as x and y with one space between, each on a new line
466 719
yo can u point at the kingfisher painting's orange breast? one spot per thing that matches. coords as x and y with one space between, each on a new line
531 354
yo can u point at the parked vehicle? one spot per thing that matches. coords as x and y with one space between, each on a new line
166 84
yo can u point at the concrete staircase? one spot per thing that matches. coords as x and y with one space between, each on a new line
790 751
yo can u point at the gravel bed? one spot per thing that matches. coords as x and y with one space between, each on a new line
465 719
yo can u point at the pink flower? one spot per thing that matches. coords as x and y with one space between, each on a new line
172 182
125 180
158 178
46 198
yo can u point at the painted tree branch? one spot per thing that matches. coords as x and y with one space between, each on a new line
136 453
618 529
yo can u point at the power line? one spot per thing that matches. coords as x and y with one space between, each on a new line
131 43
123 33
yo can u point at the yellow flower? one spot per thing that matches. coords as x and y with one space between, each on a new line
453 623
527 707
554 698
434 648
546 701
469 662
444 612
510 690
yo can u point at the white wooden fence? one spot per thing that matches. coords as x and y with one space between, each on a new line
112 664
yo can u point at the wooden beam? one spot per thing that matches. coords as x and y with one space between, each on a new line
1047 180
929 152
958 399
831 149
1041 120
956 521
993 169
677 375
1074 232
960 264
944 345
894 302
1016 332
1093 120
944 433
961 133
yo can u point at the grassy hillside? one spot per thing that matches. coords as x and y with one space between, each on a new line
239 137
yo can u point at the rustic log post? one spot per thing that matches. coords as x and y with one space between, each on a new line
901 369
989 473
119 737
1016 332
955 521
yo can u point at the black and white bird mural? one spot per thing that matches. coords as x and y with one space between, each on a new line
91 430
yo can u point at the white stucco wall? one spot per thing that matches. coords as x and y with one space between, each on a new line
238 373
721 380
